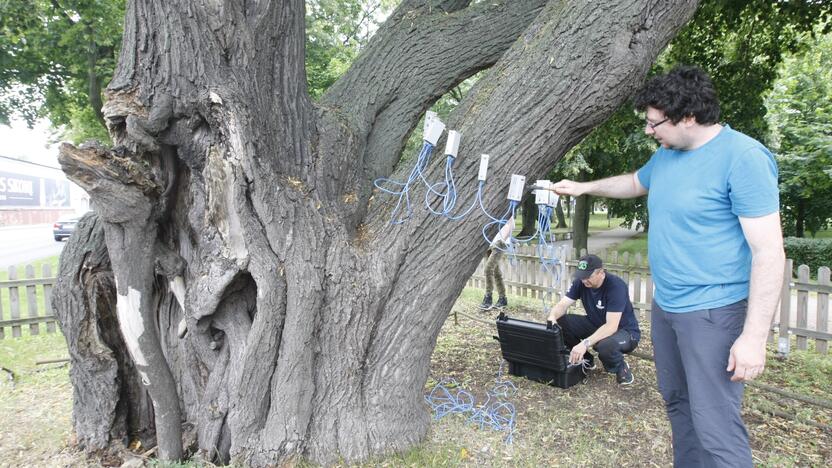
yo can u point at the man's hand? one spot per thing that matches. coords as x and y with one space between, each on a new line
577 353
569 187
747 359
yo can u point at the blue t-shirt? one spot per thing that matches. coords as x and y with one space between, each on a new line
614 296
698 254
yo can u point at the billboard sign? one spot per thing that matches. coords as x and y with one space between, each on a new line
19 190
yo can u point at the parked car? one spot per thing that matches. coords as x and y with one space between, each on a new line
64 227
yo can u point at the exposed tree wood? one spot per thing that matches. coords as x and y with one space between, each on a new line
108 403
261 294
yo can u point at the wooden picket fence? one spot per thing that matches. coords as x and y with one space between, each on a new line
27 302
804 305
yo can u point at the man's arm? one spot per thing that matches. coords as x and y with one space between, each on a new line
621 186
747 358
560 308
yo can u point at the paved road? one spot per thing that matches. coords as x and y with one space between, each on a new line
22 244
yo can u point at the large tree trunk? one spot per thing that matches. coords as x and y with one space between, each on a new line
580 221
800 218
262 296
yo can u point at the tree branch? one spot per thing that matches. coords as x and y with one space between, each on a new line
574 66
62 12
94 88
418 55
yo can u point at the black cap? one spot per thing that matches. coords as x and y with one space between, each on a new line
586 266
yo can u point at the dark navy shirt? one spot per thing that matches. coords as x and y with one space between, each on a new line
612 295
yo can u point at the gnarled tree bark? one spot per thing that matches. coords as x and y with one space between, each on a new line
262 295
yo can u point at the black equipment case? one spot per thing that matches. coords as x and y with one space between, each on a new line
536 351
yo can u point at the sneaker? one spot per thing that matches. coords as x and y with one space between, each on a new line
486 303
624 376
502 303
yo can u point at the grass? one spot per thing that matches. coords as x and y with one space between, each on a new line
23 296
638 243
633 245
594 424
597 223
35 409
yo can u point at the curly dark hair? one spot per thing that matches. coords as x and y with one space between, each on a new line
682 92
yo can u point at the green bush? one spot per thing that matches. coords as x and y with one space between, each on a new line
815 253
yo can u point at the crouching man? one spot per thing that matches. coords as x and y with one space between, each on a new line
609 326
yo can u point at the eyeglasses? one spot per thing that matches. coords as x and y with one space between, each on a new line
654 125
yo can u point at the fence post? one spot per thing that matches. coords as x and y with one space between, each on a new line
47 298
625 270
637 283
802 305
32 301
565 274
783 343
14 301
823 310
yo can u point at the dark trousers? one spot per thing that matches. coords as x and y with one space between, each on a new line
611 349
691 352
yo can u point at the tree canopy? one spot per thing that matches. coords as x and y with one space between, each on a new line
55 58
739 44
800 117
56 55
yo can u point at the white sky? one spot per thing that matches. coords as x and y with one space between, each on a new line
33 145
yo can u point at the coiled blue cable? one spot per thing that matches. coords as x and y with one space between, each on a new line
495 413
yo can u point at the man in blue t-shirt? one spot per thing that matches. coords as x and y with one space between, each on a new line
716 255
609 325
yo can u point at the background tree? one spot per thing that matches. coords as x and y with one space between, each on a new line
336 30
739 43
800 116
55 57
262 295
617 146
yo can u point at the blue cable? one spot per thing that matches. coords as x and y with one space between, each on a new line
446 191
512 207
402 189
494 413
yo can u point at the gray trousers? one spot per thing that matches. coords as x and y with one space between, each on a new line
691 351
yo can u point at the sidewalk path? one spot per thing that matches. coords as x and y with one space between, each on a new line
601 240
